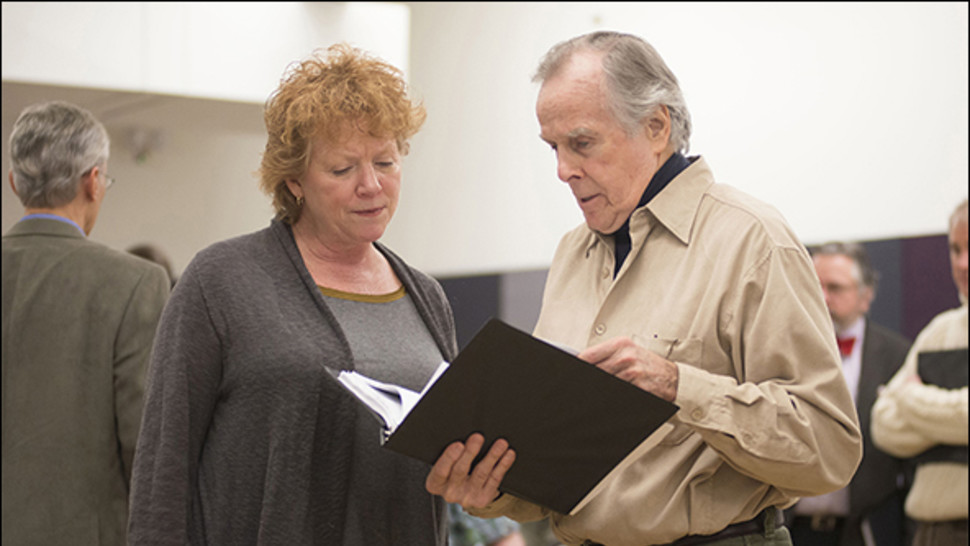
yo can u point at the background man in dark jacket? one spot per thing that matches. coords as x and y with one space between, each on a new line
869 511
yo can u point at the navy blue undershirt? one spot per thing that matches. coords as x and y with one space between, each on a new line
667 172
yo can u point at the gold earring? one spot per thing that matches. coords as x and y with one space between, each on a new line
299 202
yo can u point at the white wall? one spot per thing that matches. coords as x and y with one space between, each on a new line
228 51
195 75
850 118
195 187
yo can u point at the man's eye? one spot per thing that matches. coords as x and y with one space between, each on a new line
581 144
385 164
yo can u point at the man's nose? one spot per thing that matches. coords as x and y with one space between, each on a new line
567 167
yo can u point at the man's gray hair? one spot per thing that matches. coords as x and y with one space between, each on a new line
959 214
51 146
637 80
865 275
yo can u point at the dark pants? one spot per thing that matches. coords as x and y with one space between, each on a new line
941 533
811 531
778 537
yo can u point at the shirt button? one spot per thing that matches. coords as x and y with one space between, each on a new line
600 329
697 414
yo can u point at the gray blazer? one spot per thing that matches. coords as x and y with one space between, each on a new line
78 323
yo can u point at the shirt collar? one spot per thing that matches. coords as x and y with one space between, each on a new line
675 207
49 216
856 329
667 172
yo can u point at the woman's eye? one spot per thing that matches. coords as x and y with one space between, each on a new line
341 172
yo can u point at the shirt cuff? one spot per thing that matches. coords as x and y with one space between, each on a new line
698 391
493 509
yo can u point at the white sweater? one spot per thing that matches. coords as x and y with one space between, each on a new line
910 417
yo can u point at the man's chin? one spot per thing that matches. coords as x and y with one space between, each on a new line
600 226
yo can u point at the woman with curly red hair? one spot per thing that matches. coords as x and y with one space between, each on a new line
247 437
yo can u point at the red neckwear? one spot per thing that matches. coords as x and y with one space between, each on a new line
845 345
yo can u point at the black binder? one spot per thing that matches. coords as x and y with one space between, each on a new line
948 370
569 422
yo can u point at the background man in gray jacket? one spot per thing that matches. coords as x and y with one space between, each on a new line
78 323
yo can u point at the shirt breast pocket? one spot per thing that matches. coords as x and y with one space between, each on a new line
688 350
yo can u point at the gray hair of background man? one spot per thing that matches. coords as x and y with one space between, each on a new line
52 145
865 275
637 79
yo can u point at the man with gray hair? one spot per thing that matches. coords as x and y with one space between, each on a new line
688 289
869 511
79 319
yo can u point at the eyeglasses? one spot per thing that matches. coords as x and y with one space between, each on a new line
108 181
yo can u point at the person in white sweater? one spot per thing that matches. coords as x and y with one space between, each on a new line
926 419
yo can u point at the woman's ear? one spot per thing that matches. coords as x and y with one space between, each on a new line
295 188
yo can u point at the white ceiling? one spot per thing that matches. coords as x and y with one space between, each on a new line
117 109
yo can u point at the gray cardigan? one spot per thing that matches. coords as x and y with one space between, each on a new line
247 439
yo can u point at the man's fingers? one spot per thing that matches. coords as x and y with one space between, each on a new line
601 352
596 353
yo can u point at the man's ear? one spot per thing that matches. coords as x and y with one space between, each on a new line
657 126
868 295
90 184
12 185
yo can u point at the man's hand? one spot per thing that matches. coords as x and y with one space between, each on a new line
630 362
449 477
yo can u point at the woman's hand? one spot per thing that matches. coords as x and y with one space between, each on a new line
450 477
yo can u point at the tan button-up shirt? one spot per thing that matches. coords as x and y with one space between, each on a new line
716 282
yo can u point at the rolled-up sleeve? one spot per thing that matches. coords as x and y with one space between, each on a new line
791 422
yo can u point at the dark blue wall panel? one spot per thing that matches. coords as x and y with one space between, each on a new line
927 282
474 300
887 308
